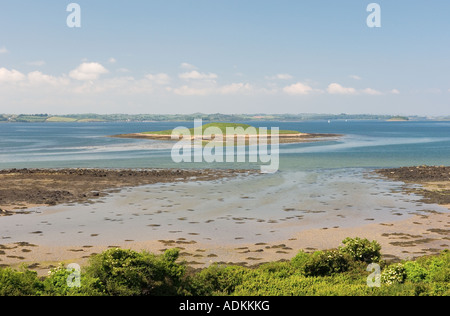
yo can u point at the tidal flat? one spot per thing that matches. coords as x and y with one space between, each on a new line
240 217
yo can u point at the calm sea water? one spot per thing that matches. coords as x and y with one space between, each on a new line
321 184
364 144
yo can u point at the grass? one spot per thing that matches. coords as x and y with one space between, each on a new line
60 119
223 128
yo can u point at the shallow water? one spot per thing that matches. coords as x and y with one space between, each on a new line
320 185
370 144
250 209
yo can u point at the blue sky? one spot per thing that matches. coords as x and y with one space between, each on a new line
227 56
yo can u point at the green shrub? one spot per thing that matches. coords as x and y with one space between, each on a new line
217 280
331 272
278 269
19 283
300 285
326 262
439 268
362 249
415 272
393 274
56 284
300 260
129 273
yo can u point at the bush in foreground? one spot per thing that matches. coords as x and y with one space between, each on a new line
129 273
342 271
19 283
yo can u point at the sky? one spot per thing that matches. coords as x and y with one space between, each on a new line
225 56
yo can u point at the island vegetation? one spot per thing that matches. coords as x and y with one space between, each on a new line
237 131
398 119
342 272
223 128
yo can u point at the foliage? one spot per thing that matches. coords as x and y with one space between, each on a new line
18 283
327 262
340 272
217 280
56 284
415 272
129 273
239 129
362 249
393 274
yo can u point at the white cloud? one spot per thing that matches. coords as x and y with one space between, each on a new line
88 71
122 85
112 60
204 88
161 78
298 89
395 91
279 77
195 75
123 70
371 91
355 77
37 78
336 88
11 75
187 66
235 88
3 50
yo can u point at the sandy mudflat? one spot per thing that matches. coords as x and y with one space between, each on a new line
21 189
427 232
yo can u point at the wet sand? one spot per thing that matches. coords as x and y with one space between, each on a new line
423 232
21 189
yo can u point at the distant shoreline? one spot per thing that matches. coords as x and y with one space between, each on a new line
218 117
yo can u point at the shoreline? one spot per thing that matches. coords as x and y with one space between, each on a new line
21 189
419 235
433 182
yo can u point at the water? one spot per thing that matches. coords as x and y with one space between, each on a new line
370 144
320 185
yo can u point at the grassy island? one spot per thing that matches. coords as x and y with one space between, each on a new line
209 132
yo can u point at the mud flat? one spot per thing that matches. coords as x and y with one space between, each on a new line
433 182
21 189
420 231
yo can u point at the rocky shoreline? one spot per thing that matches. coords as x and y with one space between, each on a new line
24 188
434 181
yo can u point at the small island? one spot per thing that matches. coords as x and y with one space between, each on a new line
398 119
209 132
